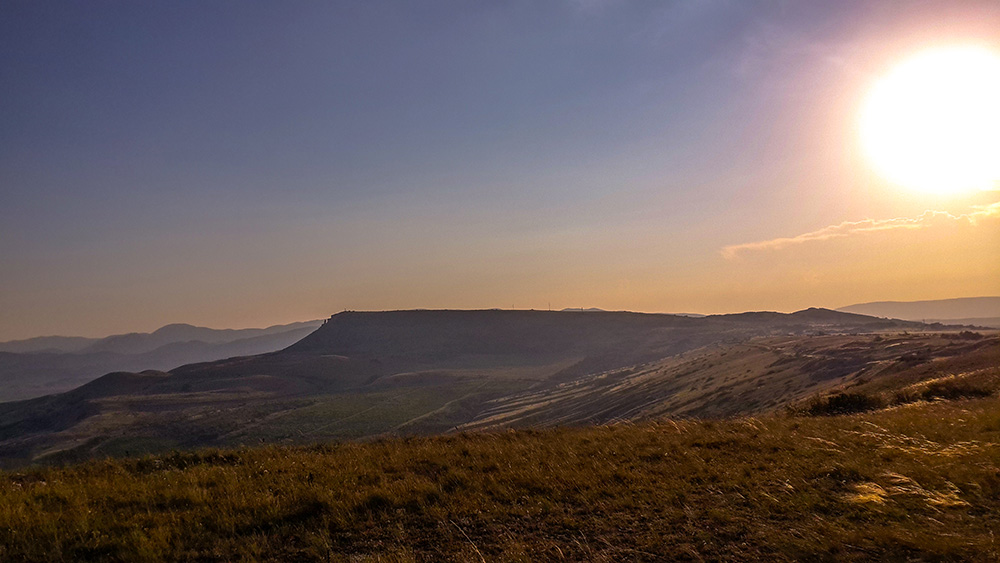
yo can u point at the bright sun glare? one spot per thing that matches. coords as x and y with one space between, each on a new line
933 123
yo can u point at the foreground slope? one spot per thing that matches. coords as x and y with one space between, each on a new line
920 482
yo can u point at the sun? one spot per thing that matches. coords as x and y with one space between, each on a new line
933 123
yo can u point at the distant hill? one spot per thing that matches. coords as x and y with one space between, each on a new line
364 374
139 343
989 322
981 311
48 344
812 316
56 364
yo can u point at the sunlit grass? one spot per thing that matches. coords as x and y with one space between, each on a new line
922 480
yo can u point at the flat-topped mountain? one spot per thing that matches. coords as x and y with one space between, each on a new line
437 336
441 334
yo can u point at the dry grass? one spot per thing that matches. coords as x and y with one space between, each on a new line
967 372
915 482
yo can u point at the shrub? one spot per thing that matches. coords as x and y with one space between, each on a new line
844 403
954 388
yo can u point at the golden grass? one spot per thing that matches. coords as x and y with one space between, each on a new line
918 482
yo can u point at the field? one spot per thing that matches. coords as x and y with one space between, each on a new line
919 481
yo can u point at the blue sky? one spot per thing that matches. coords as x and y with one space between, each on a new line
248 163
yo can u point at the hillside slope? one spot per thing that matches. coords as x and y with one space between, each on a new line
753 377
373 374
918 483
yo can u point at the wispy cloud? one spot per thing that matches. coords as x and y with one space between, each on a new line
851 228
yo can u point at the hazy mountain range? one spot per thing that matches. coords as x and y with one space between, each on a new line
140 342
978 311
365 374
52 364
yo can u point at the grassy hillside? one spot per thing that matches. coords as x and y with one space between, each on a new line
919 482
295 397
751 377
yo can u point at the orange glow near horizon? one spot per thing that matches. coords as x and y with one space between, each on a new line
933 123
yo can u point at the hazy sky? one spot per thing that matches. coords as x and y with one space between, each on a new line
250 163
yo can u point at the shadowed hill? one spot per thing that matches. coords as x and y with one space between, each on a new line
444 336
909 484
444 333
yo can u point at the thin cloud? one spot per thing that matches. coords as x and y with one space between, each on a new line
850 228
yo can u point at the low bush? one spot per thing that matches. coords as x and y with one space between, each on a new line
844 403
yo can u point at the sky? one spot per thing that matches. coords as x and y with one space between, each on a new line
240 163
